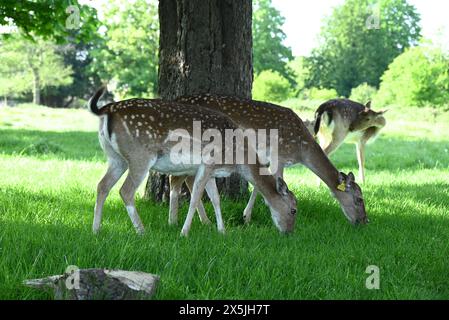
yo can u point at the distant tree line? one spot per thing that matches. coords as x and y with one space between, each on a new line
368 49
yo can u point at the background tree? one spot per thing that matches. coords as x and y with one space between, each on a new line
205 46
351 53
127 53
12 84
271 86
35 62
270 53
79 57
47 18
58 22
319 94
300 74
363 93
418 77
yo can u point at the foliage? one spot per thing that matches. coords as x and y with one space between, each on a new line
350 53
320 94
363 93
32 65
418 77
48 18
271 86
300 73
270 53
79 57
12 83
127 56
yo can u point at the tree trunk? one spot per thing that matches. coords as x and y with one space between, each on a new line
205 47
36 87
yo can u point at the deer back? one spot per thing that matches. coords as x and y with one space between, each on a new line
252 114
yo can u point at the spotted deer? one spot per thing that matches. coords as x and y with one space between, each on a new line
296 145
135 135
342 120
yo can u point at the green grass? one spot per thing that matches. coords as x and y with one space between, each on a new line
50 163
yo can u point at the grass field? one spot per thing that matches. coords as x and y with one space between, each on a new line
50 163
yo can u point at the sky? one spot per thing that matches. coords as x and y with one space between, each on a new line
304 17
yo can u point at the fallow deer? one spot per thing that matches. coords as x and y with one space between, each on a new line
342 120
135 135
296 145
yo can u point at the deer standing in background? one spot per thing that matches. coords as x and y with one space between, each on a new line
135 134
342 120
296 145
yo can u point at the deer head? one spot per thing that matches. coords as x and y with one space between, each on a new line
367 118
349 194
283 208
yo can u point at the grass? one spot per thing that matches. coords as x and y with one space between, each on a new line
50 163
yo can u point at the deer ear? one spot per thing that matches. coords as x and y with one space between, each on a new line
368 105
382 112
281 187
351 177
365 111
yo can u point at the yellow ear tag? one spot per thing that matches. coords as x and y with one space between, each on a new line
342 187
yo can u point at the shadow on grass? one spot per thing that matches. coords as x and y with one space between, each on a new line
74 145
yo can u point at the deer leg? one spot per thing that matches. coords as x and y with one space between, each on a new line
212 192
249 207
201 179
136 174
360 147
117 166
175 190
201 211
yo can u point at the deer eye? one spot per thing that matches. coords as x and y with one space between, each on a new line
293 212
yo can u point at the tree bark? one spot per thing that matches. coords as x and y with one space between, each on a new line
36 87
205 47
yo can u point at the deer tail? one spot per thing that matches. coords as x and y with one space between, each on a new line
92 104
319 114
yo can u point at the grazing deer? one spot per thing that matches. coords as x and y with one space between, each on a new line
135 134
296 145
351 121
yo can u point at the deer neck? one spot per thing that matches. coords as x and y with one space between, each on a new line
317 161
265 184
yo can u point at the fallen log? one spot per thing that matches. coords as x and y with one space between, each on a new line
98 284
